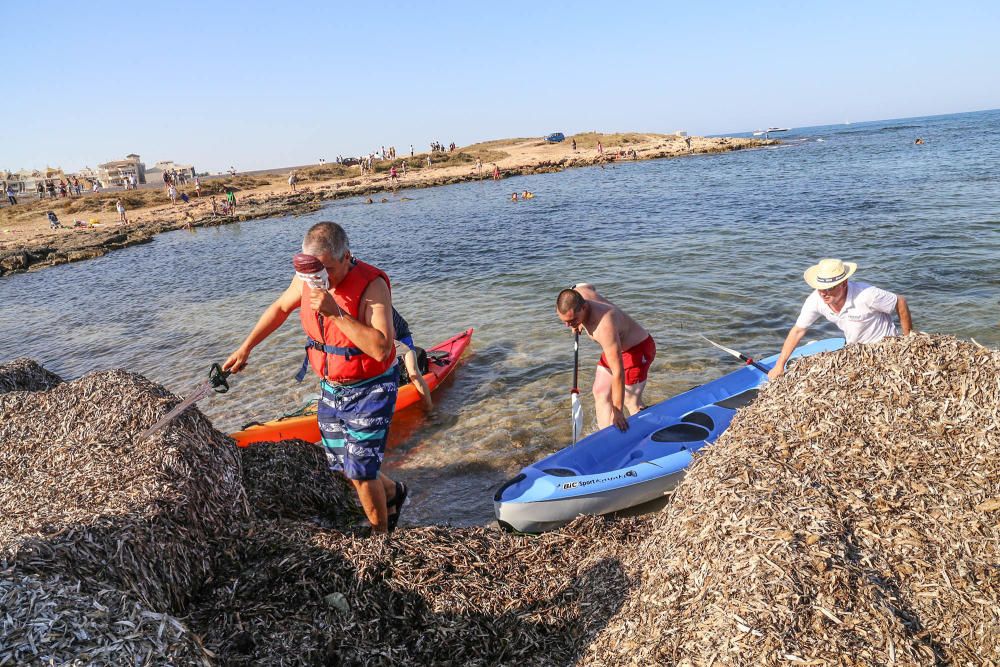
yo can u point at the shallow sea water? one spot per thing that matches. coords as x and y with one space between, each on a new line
702 244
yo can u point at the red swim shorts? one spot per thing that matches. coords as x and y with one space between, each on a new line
637 360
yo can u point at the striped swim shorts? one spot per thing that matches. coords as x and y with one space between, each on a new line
354 423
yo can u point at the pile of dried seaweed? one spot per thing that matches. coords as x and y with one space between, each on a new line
85 504
51 621
292 480
297 591
181 550
850 516
26 375
300 594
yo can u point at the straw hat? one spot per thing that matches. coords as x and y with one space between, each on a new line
829 273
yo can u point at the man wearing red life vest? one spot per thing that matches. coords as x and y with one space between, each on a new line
351 348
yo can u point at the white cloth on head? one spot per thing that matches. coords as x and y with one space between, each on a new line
865 318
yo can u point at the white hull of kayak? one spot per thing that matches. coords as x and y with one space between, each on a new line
543 515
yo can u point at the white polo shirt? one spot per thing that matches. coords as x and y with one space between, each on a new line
865 318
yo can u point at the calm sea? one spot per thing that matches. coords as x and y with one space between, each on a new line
704 244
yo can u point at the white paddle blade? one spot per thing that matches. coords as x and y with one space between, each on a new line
577 417
723 347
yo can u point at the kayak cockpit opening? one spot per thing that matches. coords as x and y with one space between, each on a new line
740 400
699 418
682 432
561 472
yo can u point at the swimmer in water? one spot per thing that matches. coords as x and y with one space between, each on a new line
513 196
527 195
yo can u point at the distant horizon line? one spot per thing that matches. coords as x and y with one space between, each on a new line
859 122
217 172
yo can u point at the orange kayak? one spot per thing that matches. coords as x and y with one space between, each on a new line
442 360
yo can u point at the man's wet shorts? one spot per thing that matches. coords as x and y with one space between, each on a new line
354 423
637 360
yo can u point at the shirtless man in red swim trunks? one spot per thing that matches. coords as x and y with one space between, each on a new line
628 351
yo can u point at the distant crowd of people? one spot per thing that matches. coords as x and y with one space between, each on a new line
51 189
171 181
368 163
182 177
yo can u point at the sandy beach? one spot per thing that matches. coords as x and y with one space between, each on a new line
28 243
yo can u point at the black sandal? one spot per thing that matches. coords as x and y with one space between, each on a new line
397 501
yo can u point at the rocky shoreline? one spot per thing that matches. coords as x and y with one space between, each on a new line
87 243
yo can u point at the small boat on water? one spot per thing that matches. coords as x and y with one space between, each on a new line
441 361
769 130
610 471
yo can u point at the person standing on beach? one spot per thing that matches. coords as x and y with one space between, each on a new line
172 193
627 351
600 148
292 180
197 187
393 176
10 195
574 145
350 332
479 167
231 200
122 219
496 172
863 312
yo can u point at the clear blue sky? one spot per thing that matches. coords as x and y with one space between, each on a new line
258 85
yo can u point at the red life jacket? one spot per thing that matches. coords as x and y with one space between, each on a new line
332 355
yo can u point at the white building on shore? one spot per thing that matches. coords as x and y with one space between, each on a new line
184 172
119 172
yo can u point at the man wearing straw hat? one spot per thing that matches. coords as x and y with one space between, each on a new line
863 312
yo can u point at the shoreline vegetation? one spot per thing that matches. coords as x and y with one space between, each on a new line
27 242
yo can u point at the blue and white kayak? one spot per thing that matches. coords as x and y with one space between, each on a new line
610 470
